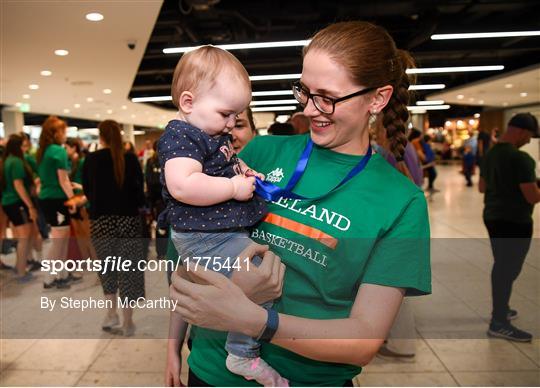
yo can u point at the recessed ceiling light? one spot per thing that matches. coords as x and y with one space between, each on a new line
124 107
18 104
505 104
66 110
133 116
45 73
152 98
471 99
273 108
476 115
273 102
523 94
241 46
480 102
460 96
77 105
26 96
432 102
109 111
428 107
61 52
453 69
272 93
89 99
447 123
107 91
33 86
98 115
508 86
94 17
476 35
427 87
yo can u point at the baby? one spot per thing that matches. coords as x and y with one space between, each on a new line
209 200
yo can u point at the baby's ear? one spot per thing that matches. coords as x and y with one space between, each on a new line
185 102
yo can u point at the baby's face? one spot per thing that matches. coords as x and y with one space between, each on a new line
214 110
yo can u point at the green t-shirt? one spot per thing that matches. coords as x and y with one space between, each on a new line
54 158
14 169
504 168
31 160
374 229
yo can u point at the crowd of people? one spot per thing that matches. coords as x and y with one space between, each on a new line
326 231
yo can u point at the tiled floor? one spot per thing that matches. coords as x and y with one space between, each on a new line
452 348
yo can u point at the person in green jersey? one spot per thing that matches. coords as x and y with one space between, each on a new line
353 248
508 179
54 192
17 184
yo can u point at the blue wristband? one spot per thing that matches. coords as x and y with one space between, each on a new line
272 323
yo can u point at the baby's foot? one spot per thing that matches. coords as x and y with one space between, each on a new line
255 369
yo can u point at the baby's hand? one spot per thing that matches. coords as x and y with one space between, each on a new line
243 187
250 172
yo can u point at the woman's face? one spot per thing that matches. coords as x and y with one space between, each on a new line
71 151
346 130
242 133
61 135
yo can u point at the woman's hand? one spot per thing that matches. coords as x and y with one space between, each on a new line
173 369
216 304
264 283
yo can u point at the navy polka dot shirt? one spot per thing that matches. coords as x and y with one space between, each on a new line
217 156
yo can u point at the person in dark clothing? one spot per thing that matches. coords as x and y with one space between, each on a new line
281 129
508 179
468 165
113 184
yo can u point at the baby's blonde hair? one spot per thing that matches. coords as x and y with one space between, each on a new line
199 69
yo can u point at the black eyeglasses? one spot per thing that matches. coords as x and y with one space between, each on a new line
324 104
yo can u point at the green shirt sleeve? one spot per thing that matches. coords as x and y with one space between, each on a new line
525 168
401 258
60 158
18 169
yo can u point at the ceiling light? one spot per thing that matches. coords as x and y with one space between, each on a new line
273 108
447 123
33 86
89 99
481 102
427 87
453 69
124 107
61 52
508 86
45 73
136 133
523 94
433 102
274 77
429 107
150 99
471 122
460 123
505 104
273 102
18 104
94 17
26 96
241 46
475 35
272 93
476 115
77 105
460 96
66 110
418 111
98 115
107 91
471 99
133 116
109 111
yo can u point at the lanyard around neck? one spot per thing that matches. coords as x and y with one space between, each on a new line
271 192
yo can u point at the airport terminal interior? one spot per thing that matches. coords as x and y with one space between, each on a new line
92 63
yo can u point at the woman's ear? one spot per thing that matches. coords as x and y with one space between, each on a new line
381 98
185 102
